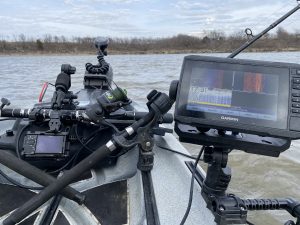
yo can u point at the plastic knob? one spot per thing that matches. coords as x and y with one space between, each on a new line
151 94
5 101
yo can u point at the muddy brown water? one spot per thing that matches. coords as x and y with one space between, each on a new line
253 176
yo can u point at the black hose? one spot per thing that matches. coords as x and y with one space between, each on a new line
56 187
27 170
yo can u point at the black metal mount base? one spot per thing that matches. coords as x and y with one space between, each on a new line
228 208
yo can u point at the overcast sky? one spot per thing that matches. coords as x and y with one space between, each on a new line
139 18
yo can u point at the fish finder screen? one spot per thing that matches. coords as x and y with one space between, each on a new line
234 93
47 144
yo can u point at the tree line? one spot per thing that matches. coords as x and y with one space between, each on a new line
212 41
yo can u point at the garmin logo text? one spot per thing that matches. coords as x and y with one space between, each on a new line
229 118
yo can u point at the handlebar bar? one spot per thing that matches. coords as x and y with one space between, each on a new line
15 113
75 115
41 114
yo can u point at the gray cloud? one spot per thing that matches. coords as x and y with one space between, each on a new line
119 17
230 16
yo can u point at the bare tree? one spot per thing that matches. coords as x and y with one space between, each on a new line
48 38
212 41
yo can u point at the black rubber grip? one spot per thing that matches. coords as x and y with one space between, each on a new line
41 114
63 81
56 187
37 175
15 113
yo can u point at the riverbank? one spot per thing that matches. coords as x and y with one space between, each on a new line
158 52
212 43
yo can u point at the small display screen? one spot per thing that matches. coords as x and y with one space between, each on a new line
234 93
47 144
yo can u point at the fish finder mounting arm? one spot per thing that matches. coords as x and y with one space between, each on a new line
228 208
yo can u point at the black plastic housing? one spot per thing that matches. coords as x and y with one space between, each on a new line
288 120
250 143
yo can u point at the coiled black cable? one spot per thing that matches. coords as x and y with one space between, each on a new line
102 68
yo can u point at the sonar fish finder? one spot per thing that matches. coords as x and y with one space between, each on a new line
241 104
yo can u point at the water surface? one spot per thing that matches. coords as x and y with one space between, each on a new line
253 176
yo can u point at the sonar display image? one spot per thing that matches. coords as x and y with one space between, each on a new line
237 93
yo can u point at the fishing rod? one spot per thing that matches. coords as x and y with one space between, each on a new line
258 36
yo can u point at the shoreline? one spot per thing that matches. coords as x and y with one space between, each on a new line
163 52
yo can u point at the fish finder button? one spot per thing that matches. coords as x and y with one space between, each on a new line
295 110
296 80
296 94
296 86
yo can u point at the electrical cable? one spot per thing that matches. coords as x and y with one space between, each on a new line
81 142
192 187
18 184
65 165
177 152
90 138
5 119
105 122
84 145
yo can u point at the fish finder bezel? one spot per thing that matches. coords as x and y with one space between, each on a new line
288 107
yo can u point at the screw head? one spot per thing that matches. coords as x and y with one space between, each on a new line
243 208
148 144
221 208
